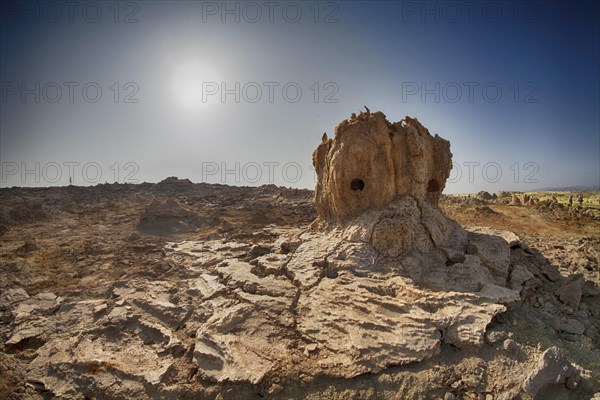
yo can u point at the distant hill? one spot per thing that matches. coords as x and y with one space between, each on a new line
569 189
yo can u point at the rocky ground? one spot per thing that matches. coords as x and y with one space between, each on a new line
177 290
181 290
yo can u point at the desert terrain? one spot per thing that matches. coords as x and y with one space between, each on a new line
80 242
195 290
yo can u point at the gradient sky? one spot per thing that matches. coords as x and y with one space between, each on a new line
402 58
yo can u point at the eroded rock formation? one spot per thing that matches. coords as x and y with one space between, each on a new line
383 279
371 162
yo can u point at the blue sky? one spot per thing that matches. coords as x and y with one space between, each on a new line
241 92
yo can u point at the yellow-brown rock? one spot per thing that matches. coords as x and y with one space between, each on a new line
370 162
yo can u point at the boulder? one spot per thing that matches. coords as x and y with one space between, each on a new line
518 276
552 368
483 195
569 292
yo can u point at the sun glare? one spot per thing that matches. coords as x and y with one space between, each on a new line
188 81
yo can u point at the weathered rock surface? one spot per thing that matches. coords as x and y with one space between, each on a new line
553 369
570 291
163 218
336 305
371 162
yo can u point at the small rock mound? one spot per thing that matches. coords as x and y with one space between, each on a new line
173 180
167 217
483 195
516 201
484 211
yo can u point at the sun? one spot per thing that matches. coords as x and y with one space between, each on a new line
187 84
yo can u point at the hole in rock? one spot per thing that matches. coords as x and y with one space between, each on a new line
357 184
433 186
